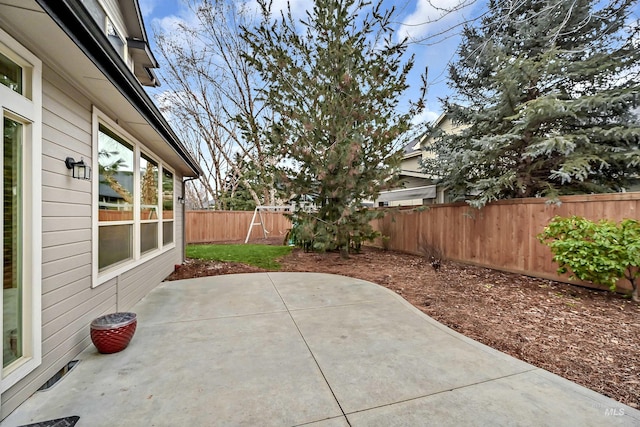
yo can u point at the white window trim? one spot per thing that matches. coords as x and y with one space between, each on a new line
100 277
31 111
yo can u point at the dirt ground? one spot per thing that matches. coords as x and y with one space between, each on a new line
589 337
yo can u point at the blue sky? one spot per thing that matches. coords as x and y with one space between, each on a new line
417 19
413 20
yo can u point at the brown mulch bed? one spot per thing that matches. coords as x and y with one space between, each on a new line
587 336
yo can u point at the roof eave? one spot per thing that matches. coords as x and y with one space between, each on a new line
72 17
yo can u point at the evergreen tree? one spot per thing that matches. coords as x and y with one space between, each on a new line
334 81
235 196
545 93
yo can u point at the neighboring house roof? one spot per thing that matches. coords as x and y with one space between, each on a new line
441 118
414 174
443 122
411 157
124 178
412 149
424 192
74 19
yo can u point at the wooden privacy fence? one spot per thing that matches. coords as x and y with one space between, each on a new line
502 235
221 226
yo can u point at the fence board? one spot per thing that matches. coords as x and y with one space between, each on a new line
220 226
502 235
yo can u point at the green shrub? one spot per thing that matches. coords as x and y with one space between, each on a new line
600 253
346 235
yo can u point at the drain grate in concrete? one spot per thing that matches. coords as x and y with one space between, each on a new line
60 422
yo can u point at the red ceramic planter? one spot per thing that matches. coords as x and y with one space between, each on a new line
112 333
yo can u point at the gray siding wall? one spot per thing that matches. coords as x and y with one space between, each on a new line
69 303
411 164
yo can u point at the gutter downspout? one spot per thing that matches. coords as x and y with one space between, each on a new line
184 217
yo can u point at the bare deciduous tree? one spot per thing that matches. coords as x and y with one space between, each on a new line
211 90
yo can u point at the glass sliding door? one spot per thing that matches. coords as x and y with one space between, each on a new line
21 210
12 323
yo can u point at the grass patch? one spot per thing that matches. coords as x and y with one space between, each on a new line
263 256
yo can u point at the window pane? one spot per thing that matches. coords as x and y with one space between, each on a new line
96 11
114 38
10 74
115 161
167 232
148 236
167 195
114 244
12 242
149 188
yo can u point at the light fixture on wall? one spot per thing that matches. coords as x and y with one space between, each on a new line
80 169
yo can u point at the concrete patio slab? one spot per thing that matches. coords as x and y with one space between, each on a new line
228 371
231 295
283 349
322 291
376 353
333 422
508 401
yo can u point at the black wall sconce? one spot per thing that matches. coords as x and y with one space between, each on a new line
80 169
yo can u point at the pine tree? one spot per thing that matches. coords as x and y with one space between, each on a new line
334 81
234 195
545 98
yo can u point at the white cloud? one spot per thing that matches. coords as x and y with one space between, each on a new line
427 116
298 7
169 25
147 6
432 16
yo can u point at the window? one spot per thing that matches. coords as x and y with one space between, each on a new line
149 215
114 38
167 207
95 10
10 74
134 201
115 204
20 113
105 23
